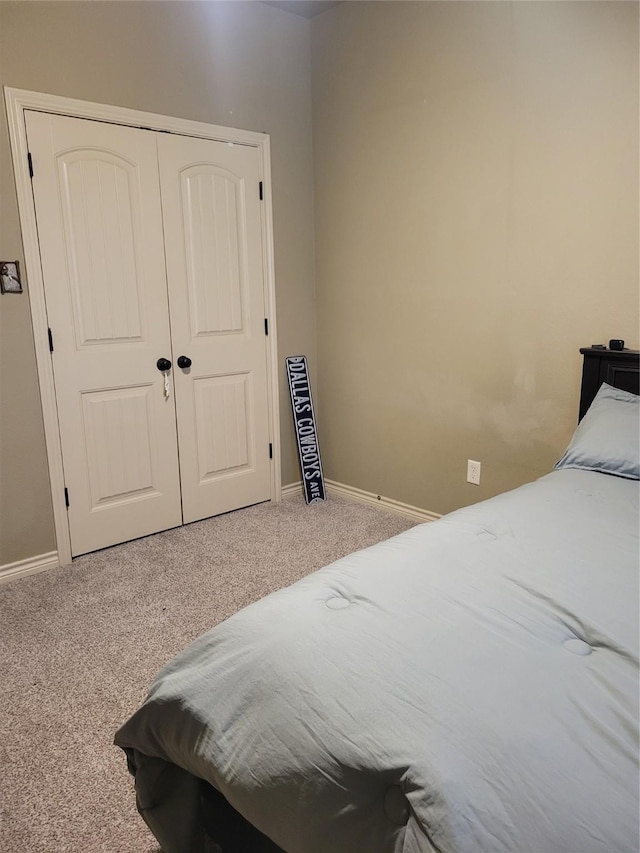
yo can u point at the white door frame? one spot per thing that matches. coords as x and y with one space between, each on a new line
19 100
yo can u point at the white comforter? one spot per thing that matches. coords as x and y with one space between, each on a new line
470 686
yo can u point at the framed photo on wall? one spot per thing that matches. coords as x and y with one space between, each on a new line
10 277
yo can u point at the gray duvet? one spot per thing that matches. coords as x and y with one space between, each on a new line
470 686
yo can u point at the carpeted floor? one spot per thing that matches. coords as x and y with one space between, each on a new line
79 645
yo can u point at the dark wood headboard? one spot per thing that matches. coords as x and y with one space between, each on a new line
619 368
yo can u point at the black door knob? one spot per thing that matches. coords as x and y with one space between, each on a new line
163 364
184 361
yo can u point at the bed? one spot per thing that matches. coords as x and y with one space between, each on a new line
470 686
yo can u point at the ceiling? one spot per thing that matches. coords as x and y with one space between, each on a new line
306 8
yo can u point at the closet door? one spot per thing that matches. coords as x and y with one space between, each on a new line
98 209
214 255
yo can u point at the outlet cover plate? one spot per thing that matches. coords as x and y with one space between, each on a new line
473 472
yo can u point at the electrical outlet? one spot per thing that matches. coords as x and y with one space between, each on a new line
473 472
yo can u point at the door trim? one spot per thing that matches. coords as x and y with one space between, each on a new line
19 100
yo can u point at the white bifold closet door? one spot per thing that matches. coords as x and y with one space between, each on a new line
213 245
151 248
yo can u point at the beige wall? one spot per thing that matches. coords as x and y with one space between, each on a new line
242 65
476 209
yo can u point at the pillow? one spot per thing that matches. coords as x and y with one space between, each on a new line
608 437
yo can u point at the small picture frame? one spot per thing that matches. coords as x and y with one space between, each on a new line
10 277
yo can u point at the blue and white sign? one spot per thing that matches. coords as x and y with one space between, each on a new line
305 424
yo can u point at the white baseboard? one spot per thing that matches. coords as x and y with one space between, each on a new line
30 566
413 512
292 489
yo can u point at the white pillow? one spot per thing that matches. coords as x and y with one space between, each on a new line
607 439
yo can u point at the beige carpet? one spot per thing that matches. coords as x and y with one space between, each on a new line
79 645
